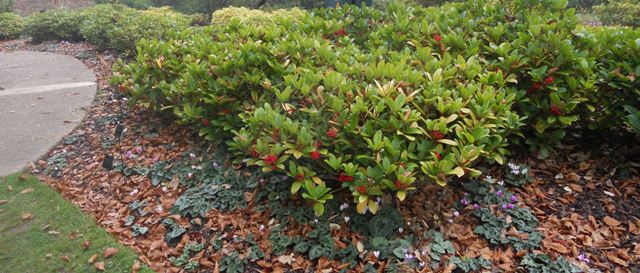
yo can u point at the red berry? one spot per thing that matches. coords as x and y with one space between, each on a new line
205 122
340 32
315 155
226 111
343 177
555 110
438 38
300 177
362 189
122 88
332 133
548 80
270 159
399 185
437 135
255 153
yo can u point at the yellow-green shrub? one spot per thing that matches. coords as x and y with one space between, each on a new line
252 17
11 25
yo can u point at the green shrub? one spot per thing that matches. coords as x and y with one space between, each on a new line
616 54
119 27
620 12
60 24
6 6
11 25
252 17
375 101
585 4
136 4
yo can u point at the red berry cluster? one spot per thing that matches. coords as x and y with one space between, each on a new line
437 135
270 159
343 177
340 32
315 155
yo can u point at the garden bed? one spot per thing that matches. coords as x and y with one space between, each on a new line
184 203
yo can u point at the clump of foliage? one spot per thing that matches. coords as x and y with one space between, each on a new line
616 54
499 213
374 101
584 5
184 260
136 4
633 119
58 24
619 12
11 25
6 6
119 27
252 17
541 263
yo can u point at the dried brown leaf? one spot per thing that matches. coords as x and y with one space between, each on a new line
93 259
99 266
611 222
110 251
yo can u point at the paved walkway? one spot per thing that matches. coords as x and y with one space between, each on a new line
43 96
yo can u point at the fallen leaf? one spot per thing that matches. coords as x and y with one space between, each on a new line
99 266
110 251
613 258
286 259
65 258
135 267
2 202
573 177
93 258
611 222
27 216
27 190
86 244
609 193
48 255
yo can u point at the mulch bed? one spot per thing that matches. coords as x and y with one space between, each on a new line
585 204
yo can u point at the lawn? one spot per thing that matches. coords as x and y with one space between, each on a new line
42 232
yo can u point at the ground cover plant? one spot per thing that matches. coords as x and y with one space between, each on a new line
373 101
41 232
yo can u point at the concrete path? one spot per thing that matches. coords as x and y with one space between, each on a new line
43 96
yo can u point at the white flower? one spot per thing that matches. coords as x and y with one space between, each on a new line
500 182
261 228
344 206
456 213
400 230
376 253
192 155
133 192
450 221
347 218
315 220
159 208
164 189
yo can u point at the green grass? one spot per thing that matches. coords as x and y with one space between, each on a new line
29 245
